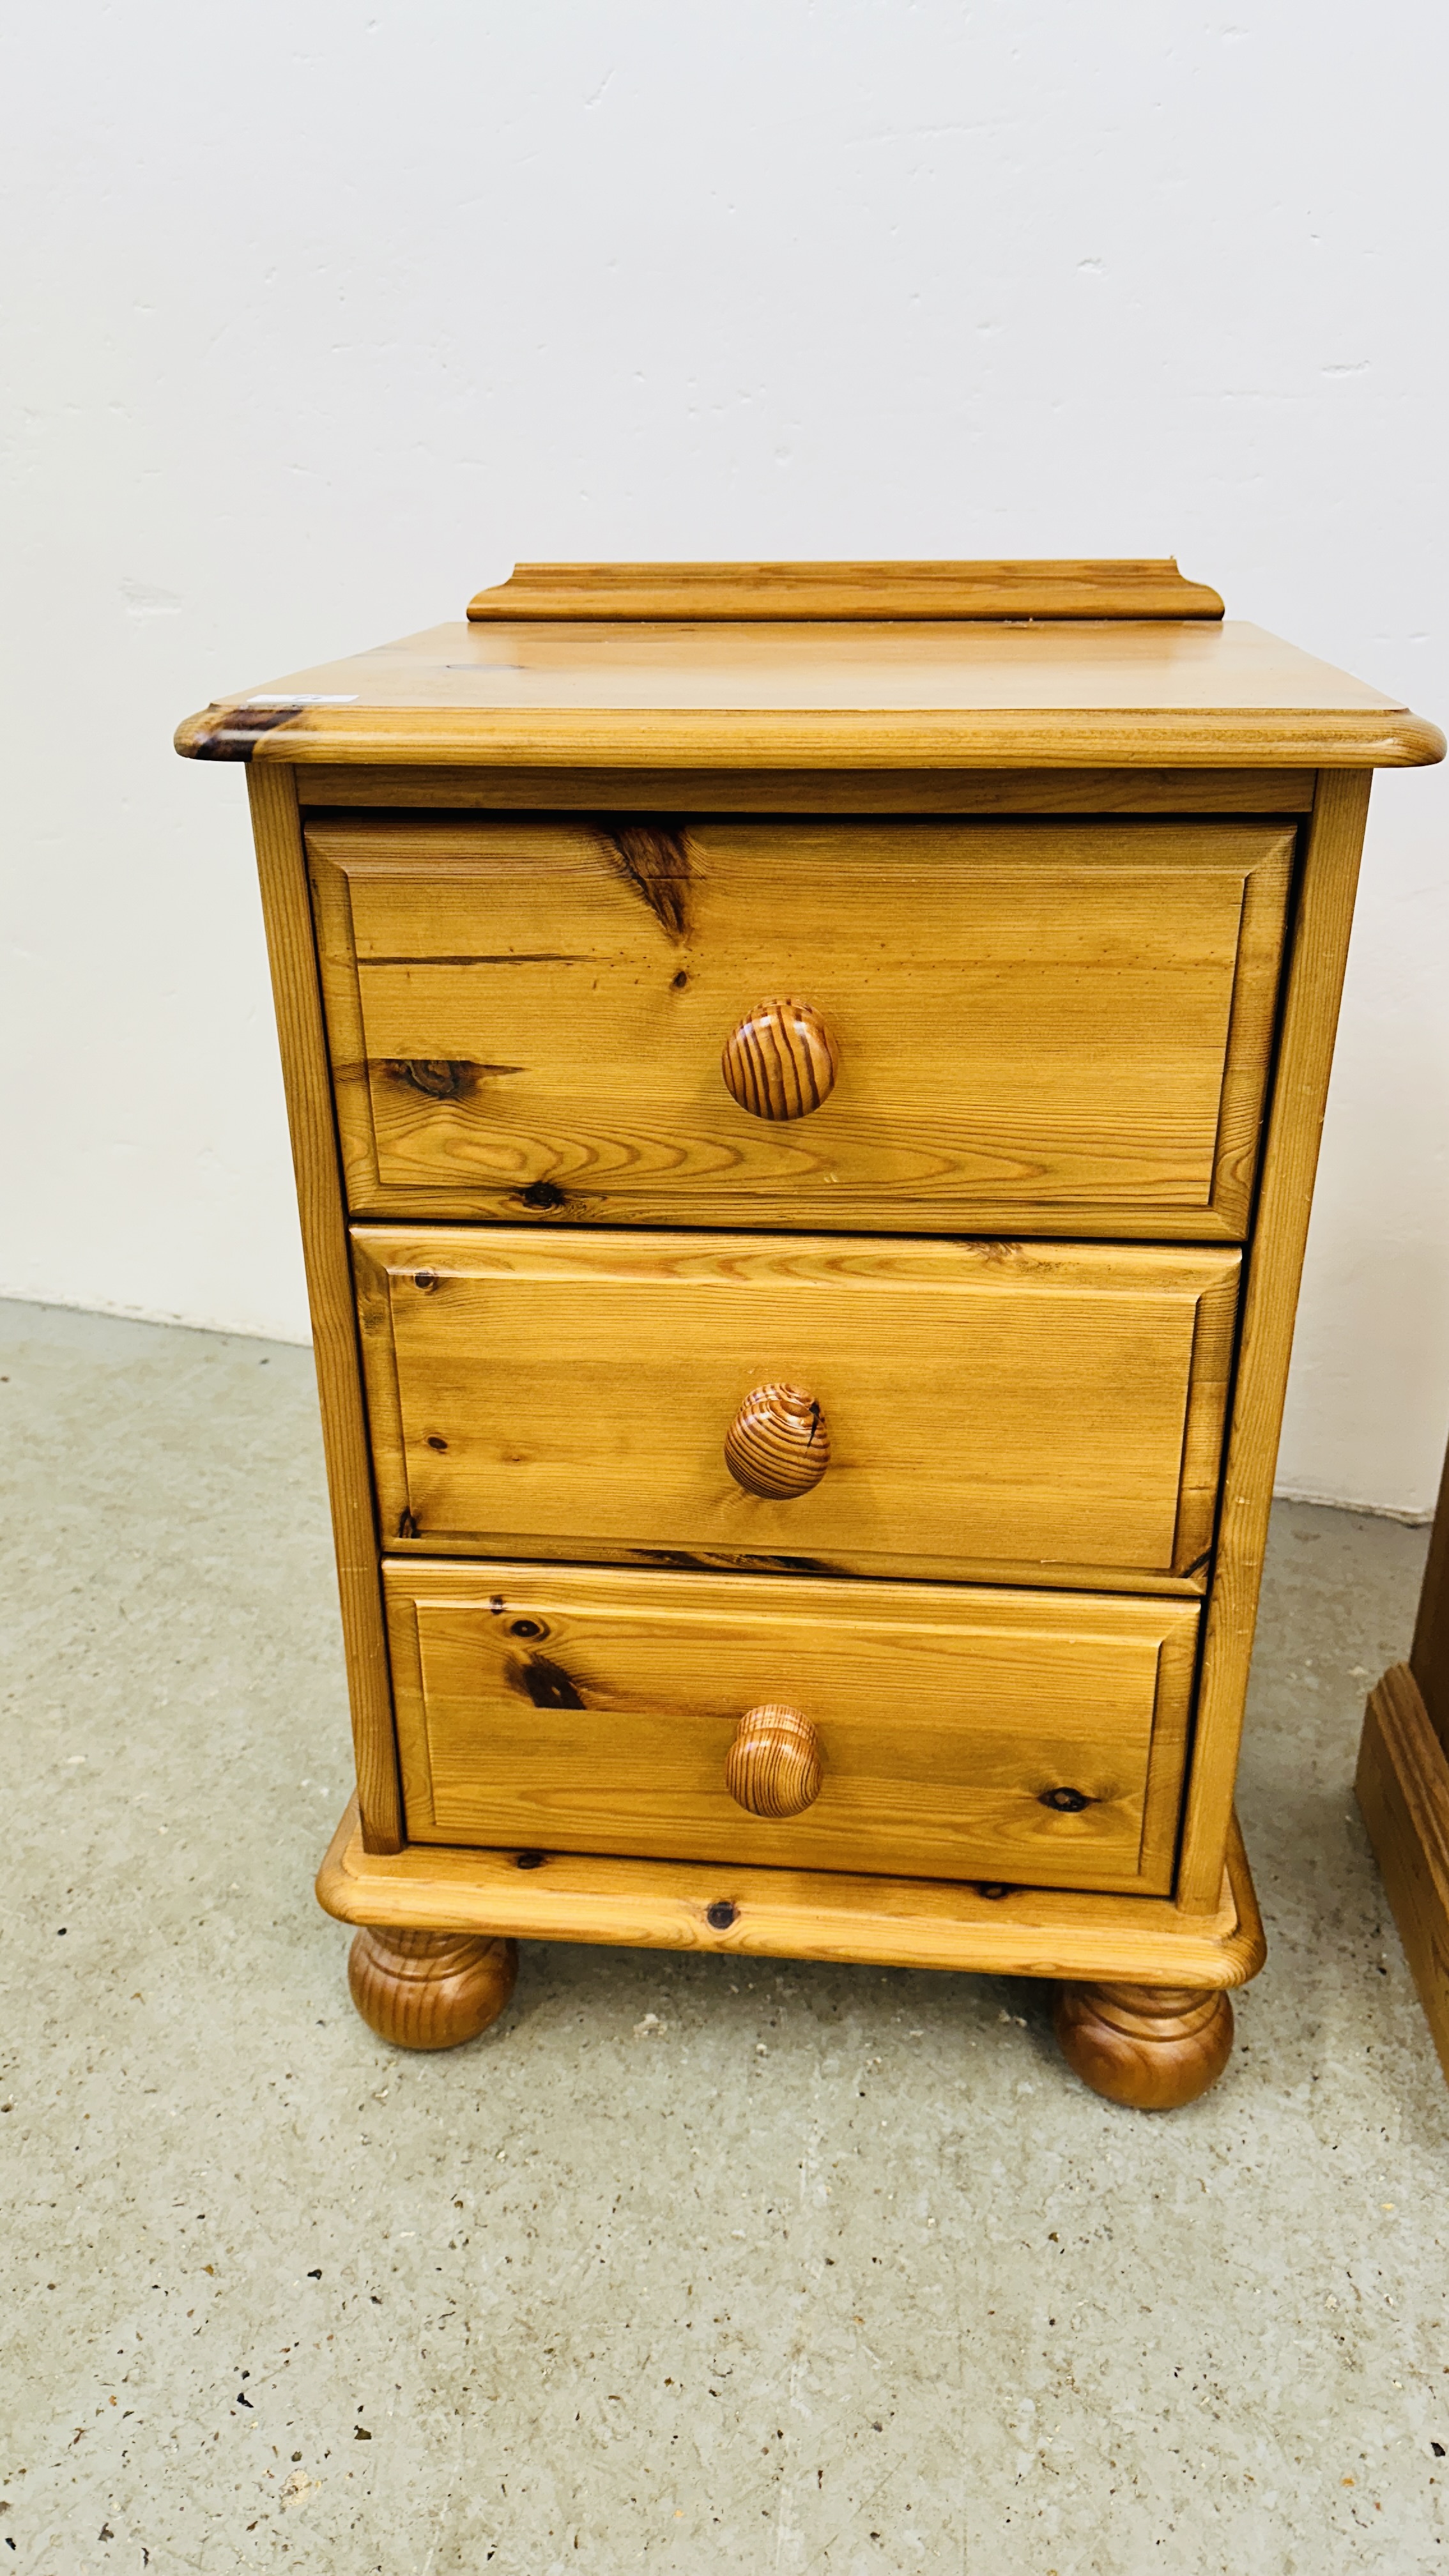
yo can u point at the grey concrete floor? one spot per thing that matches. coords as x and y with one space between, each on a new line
682 2265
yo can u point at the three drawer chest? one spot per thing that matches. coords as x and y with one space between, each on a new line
805 1082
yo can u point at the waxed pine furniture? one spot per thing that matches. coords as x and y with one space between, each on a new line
805 1082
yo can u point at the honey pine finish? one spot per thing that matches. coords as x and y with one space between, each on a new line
805 1082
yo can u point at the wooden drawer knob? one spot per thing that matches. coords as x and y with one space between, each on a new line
781 1061
773 1765
777 1444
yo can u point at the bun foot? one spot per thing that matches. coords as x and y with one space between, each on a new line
1152 2047
429 1989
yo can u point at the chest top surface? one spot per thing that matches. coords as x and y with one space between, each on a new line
956 665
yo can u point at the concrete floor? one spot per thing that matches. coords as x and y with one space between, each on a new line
681 2266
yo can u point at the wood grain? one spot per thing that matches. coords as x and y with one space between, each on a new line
1002 588
800 1914
1153 2048
778 1444
582 1710
1402 1786
429 1989
953 694
780 1061
1042 1027
773 1766
1318 956
844 791
809 738
281 865
1035 1402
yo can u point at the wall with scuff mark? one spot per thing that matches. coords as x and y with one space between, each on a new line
317 318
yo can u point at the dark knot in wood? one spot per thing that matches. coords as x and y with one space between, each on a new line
546 1684
654 859
437 1077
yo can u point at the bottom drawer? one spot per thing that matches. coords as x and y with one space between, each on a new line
1034 1738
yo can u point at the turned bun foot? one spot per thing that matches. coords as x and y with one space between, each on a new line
429 1989
1152 2047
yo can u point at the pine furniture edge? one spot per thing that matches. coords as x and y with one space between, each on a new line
1314 971
306 1076
1003 586
884 1922
624 739
1060 792
1021 1574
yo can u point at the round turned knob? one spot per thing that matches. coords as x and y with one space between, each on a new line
773 1766
781 1061
777 1444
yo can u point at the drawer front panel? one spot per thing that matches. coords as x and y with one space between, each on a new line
1040 1027
1035 1739
1041 1413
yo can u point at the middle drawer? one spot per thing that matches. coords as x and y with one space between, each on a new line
1028 1413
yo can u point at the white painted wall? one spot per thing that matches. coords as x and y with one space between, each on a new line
319 314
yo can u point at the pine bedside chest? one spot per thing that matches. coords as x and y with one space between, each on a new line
805 1082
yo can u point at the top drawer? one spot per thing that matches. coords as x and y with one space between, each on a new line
995 1026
